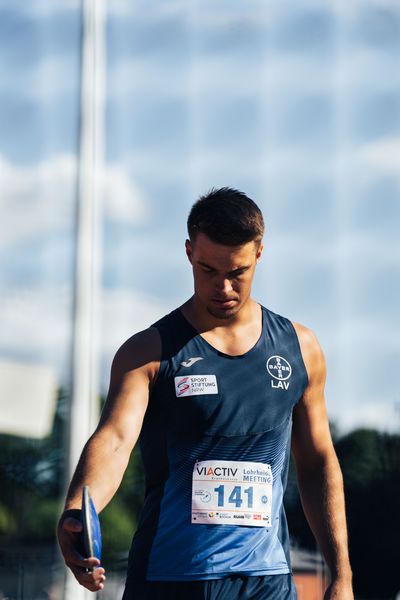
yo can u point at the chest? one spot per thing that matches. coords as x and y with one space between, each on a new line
203 391
234 342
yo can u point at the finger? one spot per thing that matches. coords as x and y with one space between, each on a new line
93 580
93 576
93 564
96 574
92 587
75 560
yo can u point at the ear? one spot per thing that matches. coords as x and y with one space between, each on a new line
189 251
259 252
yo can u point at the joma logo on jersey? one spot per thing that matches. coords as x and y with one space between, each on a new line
280 370
191 361
217 471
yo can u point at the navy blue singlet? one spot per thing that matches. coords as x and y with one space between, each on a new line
207 408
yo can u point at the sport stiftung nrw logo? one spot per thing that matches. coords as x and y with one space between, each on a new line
195 385
280 370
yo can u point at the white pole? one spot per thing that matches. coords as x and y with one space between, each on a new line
84 405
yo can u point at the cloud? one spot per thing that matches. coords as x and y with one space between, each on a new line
127 9
47 8
36 199
364 162
224 13
39 199
123 313
347 9
42 81
36 324
124 201
36 328
365 70
219 72
379 415
382 154
207 13
360 391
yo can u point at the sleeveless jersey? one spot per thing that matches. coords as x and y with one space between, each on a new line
210 417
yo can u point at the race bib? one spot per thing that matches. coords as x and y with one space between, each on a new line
226 492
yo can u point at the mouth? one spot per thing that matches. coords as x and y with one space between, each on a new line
229 303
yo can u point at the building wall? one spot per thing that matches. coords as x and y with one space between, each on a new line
310 586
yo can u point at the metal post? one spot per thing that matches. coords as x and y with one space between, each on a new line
84 405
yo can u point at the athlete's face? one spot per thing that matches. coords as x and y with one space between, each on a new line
222 274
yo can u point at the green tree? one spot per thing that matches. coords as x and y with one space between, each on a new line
370 462
31 480
119 519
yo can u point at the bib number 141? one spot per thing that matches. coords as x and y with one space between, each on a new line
235 497
232 493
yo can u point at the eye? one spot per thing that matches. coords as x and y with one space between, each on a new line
236 274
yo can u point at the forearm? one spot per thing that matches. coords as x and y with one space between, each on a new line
101 466
321 491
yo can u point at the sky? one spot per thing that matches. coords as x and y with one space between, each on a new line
297 105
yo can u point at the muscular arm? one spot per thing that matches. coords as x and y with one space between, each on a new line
106 454
318 472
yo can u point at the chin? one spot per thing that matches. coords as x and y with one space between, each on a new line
223 314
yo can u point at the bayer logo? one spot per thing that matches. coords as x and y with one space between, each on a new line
278 368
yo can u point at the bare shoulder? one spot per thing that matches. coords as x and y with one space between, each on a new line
133 372
311 437
141 352
311 351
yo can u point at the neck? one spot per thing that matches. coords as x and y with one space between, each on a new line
198 315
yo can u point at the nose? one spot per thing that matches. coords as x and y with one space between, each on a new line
224 286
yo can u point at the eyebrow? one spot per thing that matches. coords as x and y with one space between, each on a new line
243 268
203 264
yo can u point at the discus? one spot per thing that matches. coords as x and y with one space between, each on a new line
91 534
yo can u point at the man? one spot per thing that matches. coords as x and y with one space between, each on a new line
213 390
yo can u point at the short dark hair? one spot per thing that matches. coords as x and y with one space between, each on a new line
226 216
